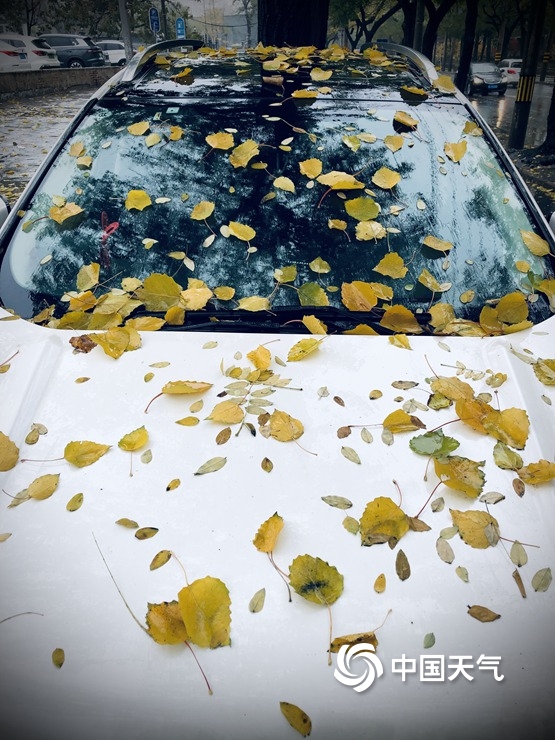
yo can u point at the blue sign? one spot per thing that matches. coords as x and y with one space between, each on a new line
154 20
179 28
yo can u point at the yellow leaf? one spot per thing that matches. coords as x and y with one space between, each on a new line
188 421
510 426
116 341
400 340
444 84
358 296
315 580
82 454
205 610
284 183
382 521
320 75
145 323
320 266
224 293
379 588
43 487
336 180
512 308
260 357
285 428
285 274
301 349
400 319
429 281
193 299
298 719
83 301
535 243
176 133
452 388
165 623
392 265
304 93
242 154
66 212
542 471
405 119
385 178
337 223
134 440
311 168
227 412
221 140
473 411
472 527
545 371
9 453
438 244
461 474
138 129
84 163
467 296
399 421
77 149
267 534
455 151
363 208
254 303
394 143
472 129
314 325
241 231
186 72
441 315
203 210
159 292
353 142
137 199
362 330
185 387
58 657
152 140
366 230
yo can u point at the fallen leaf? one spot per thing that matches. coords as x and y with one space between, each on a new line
212 465
299 720
205 609
256 604
82 454
315 580
482 613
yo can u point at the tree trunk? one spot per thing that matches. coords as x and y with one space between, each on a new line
409 22
548 146
435 16
293 22
470 23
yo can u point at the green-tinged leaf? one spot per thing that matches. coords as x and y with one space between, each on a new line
256 604
145 533
351 455
462 573
402 566
315 580
127 523
434 444
210 466
518 554
75 502
542 579
58 657
339 502
429 640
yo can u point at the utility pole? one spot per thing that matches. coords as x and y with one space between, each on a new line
527 80
164 19
419 25
125 29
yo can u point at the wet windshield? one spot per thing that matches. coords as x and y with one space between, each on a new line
277 200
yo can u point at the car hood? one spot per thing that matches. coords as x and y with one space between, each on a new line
75 579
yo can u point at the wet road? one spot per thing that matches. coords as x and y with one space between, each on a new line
29 126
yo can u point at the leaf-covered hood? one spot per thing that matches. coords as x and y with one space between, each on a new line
407 484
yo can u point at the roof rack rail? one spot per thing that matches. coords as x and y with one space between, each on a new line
418 59
136 65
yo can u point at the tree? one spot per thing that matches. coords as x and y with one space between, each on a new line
361 19
435 15
293 22
469 36
248 8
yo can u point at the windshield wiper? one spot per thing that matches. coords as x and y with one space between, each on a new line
281 319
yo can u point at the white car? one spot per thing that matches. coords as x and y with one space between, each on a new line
511 69
12 60
40 55
114 51
276 419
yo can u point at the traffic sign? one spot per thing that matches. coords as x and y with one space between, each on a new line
154 19
180 28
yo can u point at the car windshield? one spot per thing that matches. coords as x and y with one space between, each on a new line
251 191
485 67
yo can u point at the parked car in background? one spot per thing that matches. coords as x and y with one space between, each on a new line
114 51
40 54
486 77
277 387
13 60
75 51
511 68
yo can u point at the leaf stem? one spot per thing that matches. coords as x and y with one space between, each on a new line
281 574
330 635
429 498
151 400
9 358
20 614
200 668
